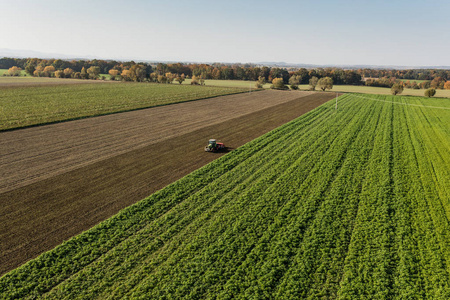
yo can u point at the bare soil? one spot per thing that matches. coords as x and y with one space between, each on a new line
30 155
59 180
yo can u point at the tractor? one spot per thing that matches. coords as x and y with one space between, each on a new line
213 146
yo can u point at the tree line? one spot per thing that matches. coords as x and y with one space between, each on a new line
436 83
219 71
169 72
416 74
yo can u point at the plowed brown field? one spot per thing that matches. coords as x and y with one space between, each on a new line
59 180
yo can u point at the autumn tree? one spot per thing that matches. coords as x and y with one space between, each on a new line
39 72
14 71
260 82
170 77
84 74
93 72
397 88
278 84
447 85
325 83
215 73
137 73
194 80
424 85
294 81
59 74
407 84
49 71
162 79
113 73
153 77
430 92
126 75
68 72
313 83
437 83
180 78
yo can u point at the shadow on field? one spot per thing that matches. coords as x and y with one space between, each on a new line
225 150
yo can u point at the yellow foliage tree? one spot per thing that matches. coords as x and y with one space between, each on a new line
39 71
93 72
194 80
181 78
278 84
68 72
113 73
170 77
48 71
126 75
14 71
153 77
59 74
137 73
162 79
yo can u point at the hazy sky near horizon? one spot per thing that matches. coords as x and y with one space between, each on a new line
382 32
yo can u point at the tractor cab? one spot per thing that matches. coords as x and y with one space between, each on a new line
213 146
212 143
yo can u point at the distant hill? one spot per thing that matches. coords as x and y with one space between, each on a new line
5 52
14 53
307 66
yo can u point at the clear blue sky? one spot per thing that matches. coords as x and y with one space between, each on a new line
378 32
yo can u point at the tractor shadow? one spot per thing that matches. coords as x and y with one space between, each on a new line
225 150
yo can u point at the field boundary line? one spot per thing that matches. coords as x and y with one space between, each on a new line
418 105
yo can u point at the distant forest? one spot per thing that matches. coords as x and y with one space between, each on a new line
141 71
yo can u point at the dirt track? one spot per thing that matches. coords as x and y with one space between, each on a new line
59 180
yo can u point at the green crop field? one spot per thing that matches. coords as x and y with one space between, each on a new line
379 90
22 106
346 204
412 80
336 88
9 81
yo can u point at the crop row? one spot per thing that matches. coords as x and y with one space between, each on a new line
346 204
